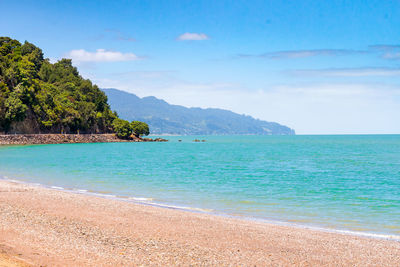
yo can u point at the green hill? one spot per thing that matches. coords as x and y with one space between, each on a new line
39 97
164 118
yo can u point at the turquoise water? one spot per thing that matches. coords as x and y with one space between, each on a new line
336 182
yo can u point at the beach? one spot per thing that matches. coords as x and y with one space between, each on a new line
48 227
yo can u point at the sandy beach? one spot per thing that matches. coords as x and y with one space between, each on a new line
46 227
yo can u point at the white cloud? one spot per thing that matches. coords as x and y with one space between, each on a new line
101 55
192 37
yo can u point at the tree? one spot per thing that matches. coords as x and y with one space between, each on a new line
140 128
54 95
122 128
15 109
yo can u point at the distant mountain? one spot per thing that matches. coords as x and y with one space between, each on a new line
164 118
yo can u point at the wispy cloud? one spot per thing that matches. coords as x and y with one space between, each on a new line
100 55
385 51
120 36
293 54
384 47
347 72
395 55
388 51
193 37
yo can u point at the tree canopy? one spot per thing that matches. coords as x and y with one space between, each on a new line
122 128
125 130
140 128
37 96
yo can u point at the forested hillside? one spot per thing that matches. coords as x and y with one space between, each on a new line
37 96
164 118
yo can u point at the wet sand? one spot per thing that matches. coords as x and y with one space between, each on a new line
46 227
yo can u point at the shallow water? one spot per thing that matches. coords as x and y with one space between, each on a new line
339 182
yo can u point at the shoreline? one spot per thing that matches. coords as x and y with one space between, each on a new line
33 216
149 202
40 139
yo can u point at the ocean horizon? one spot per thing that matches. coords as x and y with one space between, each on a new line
335 182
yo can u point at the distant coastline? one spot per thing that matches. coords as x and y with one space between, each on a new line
164 118
32 139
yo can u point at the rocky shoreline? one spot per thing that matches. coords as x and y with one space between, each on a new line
32 139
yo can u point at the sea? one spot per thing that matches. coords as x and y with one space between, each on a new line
344 183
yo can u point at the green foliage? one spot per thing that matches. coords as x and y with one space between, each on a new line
14 108
54 96
122 128
140 128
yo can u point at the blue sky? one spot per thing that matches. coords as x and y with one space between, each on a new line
320 67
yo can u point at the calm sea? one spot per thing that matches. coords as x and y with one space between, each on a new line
335 182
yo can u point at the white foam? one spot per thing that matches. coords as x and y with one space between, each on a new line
108 195
328 230
81 190
365 234
180 207
57 187
141 199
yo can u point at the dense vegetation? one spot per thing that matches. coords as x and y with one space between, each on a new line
125 130
37 96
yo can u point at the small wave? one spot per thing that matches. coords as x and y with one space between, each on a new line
81 190
361 233
57 187
105 195
373 235
305 225
181 207
140 198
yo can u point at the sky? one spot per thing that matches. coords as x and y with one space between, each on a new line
319 67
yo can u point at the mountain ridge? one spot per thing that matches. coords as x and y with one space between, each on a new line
165 118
